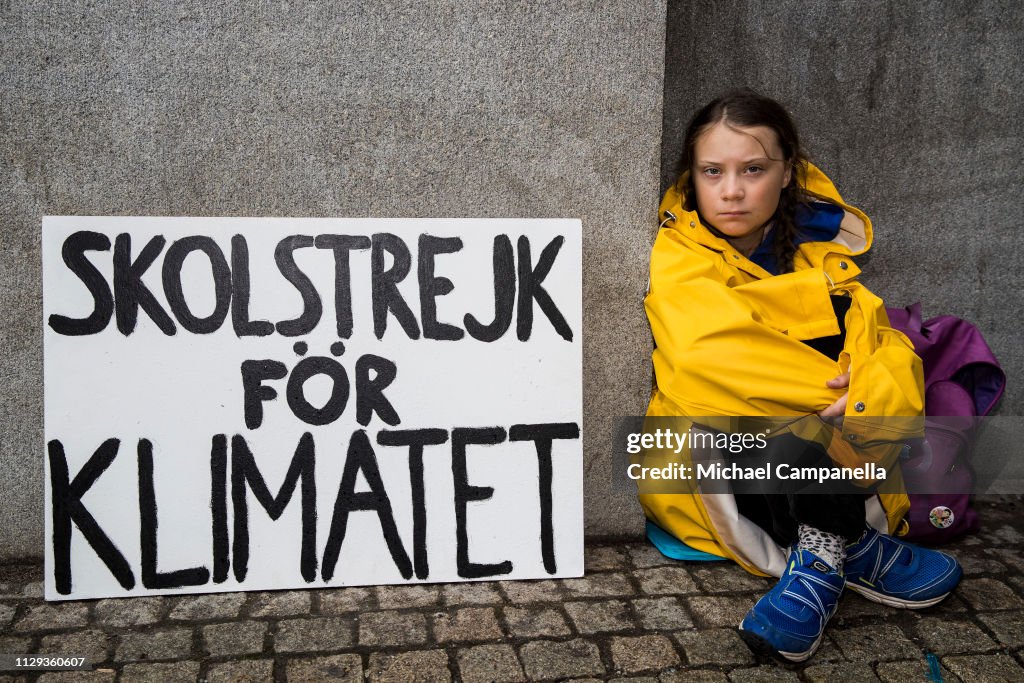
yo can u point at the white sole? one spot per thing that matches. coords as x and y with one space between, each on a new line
761 645
894 602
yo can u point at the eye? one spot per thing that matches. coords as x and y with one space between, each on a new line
712 172
754 169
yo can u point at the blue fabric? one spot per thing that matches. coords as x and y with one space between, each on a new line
817 222
671 547
889 571
790 619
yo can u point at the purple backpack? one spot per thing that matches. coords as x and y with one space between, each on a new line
963 381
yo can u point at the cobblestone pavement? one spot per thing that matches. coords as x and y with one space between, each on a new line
634 616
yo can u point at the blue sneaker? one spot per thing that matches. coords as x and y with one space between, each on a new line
899 574
790 619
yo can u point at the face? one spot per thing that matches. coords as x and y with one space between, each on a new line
739 175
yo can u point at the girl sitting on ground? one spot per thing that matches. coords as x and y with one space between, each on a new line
756 310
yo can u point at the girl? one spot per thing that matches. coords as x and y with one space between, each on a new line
756 311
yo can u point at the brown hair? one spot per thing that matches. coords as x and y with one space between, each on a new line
745 108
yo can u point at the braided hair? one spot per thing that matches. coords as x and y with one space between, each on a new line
745 108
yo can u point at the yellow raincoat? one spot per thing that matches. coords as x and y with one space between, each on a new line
728 342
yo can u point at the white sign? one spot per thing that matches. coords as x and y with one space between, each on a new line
258 403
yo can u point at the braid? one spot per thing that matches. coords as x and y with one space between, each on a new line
785 223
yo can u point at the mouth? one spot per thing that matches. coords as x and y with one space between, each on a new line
733 213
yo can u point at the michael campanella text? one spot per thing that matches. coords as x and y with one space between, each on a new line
719 471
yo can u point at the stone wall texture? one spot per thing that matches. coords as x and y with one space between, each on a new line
500 109
441 108
915 110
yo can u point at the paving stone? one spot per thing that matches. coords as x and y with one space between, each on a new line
828 652
92 644
665 581
405 597
6 616
532 622
125 612
692 676
951 605
718 646
660 614
846 672
543 660
905 672
474 593
989 594
1011 557
234 638
597 617
730 578
643 653
711 611
33 591
881 642
10 590
490 664
468 623
99 676
1002 535
634 679
996 667
211 607
953 637
175 643
392 628
758 674
646 555
244 671
599 558
340 668
313 635
280 604
1008 627
853 608
973 565
183 672
348 599
18 646
421 666
51 617
599 586
532 591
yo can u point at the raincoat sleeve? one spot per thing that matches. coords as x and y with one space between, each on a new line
725 348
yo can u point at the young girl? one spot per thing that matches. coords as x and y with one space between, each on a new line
756 311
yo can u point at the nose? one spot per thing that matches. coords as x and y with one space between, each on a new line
732 188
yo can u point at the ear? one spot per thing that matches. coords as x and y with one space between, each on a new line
788 175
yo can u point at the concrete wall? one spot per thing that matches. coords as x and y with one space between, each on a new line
916 110
470 109
277 109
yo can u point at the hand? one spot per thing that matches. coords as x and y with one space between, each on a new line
837 409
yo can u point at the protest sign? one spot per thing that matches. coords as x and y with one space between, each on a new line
261 403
